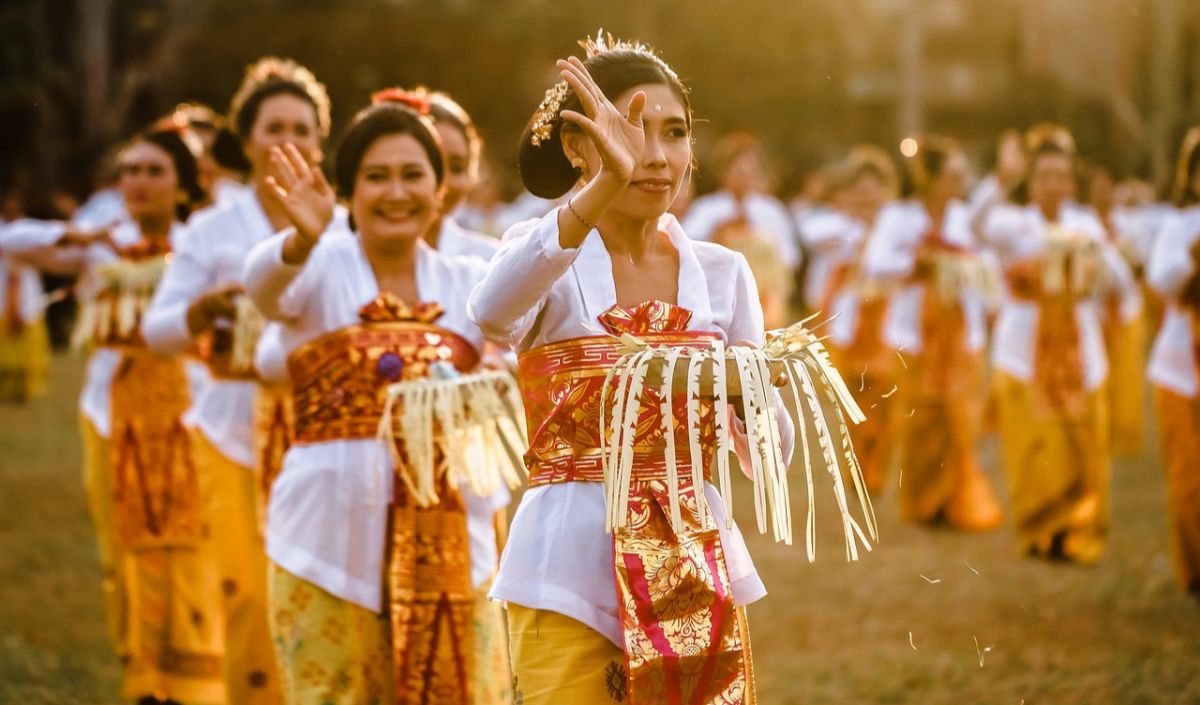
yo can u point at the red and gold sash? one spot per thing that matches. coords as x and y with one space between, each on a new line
339 385
684 640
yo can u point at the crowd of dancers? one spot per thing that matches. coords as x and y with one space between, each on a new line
244 318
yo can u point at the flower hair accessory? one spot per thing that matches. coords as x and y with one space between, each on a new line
548 110
402 97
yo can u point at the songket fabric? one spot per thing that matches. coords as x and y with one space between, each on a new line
337 382
274 431
407 585
1179 419
683 641
540 295
160 570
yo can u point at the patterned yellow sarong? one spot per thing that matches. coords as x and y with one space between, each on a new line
230 493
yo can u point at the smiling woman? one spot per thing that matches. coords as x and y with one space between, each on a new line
353 541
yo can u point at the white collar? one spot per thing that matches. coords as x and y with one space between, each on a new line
593 275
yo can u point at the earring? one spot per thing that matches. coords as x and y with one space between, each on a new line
578 163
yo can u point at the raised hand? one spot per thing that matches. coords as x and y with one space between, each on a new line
618 135
302 191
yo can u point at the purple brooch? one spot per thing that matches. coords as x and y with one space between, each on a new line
389 366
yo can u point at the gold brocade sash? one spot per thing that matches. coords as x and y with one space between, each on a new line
683 637
155 488
339 386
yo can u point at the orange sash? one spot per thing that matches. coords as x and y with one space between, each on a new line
684 640
339 385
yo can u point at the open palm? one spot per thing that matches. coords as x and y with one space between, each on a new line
302 191
619 137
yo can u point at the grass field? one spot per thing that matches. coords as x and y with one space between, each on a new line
1119 632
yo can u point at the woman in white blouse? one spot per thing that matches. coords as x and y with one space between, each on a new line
610 261
925 250
1049 355
161 585
372 592
200 303
1173 271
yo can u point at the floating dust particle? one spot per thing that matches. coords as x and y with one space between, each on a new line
971 567
902 360
983 653
862 381
910 642
874 405
891 391
911 413
932 581
902 477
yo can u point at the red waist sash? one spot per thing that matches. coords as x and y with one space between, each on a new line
684 640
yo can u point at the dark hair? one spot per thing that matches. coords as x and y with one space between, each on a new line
272 76
927 164
1185 171
444 109
174 143
1044 139
545 169
374 122
226 150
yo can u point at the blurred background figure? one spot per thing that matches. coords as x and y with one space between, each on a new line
1175 273
923 252
743 216
858 306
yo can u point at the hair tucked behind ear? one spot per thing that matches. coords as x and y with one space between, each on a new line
616 67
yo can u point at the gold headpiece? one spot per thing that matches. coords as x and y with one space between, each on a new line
551 105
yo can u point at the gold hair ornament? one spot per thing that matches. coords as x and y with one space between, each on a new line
548 110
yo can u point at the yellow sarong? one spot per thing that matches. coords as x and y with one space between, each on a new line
1179 418
1127 385
231 497
24 361
334 652
163 611
560 661
1058 471
97 483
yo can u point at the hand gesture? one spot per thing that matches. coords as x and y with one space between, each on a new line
302 191
619 137
216 303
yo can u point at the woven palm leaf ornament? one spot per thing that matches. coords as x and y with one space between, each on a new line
816 386
475 422
114 299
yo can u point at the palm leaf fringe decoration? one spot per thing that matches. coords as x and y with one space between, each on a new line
475 420
815 386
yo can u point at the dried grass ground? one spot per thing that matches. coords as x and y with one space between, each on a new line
1119 632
